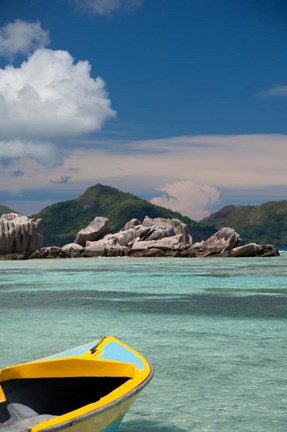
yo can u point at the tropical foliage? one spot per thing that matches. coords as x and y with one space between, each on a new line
4 210
266 223
63 220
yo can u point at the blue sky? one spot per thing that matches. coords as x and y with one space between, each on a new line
181 102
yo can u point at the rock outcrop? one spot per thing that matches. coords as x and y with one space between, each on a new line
108 247
96 230
254 250
222 242
73 250
19 234
152 237
49 252
156 237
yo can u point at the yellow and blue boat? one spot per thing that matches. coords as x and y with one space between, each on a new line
86 389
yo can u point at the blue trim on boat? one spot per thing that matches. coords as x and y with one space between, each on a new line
113 427
72 352
112 351
117 352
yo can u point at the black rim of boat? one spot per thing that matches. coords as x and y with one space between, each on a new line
84 417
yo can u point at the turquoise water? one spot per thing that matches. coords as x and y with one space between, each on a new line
214 330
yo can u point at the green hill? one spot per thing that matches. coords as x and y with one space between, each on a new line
63 220
266 223
5 210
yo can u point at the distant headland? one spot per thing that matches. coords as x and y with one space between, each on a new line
107 222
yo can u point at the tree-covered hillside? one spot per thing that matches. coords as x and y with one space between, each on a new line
266 223
63 220
5 210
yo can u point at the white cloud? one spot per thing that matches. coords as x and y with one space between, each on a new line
276 91
243 168
189 198
51 96
46 98
219 161
21 37
108 7
44 153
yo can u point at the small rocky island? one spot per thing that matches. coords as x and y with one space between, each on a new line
22 238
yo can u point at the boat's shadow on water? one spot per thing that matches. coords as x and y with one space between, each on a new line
146 425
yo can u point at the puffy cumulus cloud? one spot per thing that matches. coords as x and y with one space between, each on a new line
50 96
46 98
108 7
21 37
44 153
187 197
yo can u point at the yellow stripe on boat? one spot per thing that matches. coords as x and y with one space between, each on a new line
72 378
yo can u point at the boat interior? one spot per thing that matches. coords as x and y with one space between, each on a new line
29 401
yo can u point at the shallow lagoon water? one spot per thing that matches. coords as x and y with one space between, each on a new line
214 330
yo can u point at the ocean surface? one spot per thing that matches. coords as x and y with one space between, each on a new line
214 329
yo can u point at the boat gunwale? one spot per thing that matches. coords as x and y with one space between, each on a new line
83 417
94 412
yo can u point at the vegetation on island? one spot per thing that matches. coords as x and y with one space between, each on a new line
6 210
63 220
266 223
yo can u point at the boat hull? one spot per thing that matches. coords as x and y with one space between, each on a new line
87 389
106 421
